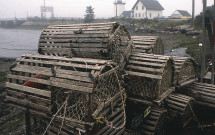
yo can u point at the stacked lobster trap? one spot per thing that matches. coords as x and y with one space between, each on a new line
74 84
148 44
76 90
149 76
99 40
186 70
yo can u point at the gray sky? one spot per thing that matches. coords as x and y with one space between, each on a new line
76 8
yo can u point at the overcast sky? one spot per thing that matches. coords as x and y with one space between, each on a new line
76 8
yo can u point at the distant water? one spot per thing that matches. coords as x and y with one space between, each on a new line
177 52
16 42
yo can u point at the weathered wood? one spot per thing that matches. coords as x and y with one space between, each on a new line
144 75
146 63
31 97
83 45
28 89
85 35
65 64
29 104
87 60
155 70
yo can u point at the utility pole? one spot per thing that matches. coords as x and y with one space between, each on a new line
193 10
203 40
44 11
212 47
116 7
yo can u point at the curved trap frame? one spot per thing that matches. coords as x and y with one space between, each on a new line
149 76
179 108
203 93
93 40
78 89
148 44
186 70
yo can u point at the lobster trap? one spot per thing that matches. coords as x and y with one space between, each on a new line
148 44
185 70
203 93
76 90
149 77
93 40
180 108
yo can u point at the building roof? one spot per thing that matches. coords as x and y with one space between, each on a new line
150 4
126 14
184 13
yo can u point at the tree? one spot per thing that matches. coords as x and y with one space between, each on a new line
89 16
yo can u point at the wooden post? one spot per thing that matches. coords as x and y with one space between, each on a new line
212 48
27 122
203 41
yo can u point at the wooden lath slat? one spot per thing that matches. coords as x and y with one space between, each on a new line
65 64
28 89
87 60
158 77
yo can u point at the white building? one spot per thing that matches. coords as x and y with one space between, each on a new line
181 14
119 7
147 9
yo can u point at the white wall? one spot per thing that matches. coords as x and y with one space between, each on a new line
120 9
154 13
176 14
144 13
139 13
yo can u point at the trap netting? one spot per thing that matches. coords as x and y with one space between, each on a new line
149 76
93 40
186 70
81 105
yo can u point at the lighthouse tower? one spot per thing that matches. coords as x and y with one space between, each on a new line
119 7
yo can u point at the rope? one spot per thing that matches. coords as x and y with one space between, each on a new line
195 117
63 116
110 124
55 116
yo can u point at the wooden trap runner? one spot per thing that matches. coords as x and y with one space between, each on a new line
149 76
77 90
148 44
203 93
180 109
93 40
185 70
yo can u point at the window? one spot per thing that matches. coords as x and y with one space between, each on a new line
142 7
139 15
136 7
143 15
150 14
135 14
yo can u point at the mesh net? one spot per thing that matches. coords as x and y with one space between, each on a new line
79 106
145 87
187 71
167 77
118 44
106 87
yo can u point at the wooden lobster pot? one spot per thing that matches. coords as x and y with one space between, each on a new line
180 108
203 93
186 70
149 76
93 40
78 89
148 44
